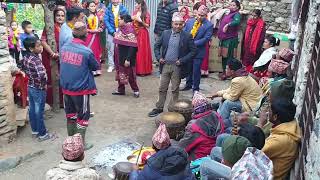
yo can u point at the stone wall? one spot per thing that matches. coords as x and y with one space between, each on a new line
305 57
8 127
312 169
276 13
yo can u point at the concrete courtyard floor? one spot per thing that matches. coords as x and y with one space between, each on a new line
116 118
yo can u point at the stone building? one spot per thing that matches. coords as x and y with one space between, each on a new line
8 126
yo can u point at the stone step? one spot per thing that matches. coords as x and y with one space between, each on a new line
21 116
9 161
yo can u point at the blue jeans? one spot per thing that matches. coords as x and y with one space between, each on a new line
37 100
211 169
225 109
193 80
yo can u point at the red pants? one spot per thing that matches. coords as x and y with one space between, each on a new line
130 71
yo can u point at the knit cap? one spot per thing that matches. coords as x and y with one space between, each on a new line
234 147
199 102
177 17
72 147
286 54
161 138
278 66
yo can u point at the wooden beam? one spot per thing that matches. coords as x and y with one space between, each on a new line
60 2
22 1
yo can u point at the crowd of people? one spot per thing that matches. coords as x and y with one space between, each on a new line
255 118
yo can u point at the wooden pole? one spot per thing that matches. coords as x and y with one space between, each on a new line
49 27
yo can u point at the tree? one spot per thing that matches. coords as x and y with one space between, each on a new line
49 27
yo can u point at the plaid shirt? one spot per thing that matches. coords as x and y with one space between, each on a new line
36 72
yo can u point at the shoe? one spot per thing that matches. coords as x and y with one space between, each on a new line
91 114
98 72
110 69
34 135
117 93
136 94
87 146
187 88
82 131
155 112
45 137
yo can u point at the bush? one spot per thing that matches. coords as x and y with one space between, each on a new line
34 15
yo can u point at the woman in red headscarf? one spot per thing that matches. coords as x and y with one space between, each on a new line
185 13
253 39
141 21
48 53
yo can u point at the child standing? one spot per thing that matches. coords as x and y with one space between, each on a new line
28 32
37 85
13 41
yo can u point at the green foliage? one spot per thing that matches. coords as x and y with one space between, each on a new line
34 15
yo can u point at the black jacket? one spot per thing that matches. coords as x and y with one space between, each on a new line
187 50
164 16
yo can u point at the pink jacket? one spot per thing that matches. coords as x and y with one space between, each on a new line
10 40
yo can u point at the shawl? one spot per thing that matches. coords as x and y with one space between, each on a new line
265 57
253 33
126 36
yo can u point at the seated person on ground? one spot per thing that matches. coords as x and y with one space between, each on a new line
283 88
253 133
282 144
202 131
72 166
168 163
243 94
232 150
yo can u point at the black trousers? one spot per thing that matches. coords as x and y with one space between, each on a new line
15 54
77 110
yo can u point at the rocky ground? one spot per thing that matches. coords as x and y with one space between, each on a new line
116 118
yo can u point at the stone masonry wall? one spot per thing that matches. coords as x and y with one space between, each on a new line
8 127
304 61
276 13
312 168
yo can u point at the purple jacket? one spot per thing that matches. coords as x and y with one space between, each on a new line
232 30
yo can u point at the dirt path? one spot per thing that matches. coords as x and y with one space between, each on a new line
116 118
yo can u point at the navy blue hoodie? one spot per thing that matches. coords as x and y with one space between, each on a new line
167 164
76 65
